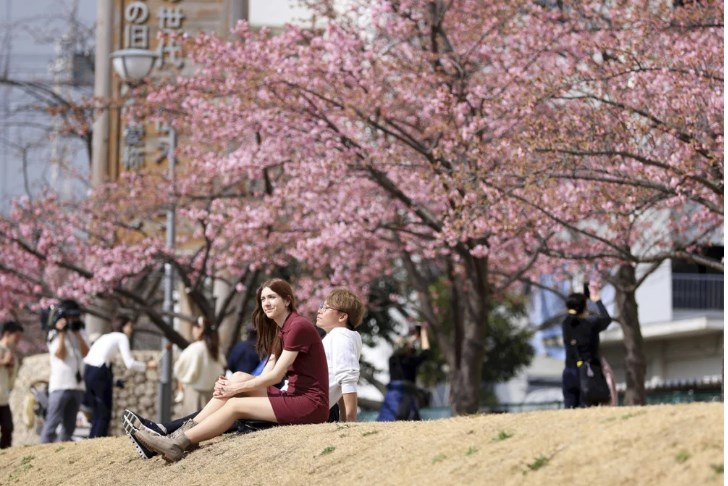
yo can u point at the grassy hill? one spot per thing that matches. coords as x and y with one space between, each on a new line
660 445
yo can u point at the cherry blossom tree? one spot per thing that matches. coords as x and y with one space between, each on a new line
454 141
387 148
632 142
454 147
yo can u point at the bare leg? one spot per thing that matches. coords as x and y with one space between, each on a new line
239 377
257 408
216 403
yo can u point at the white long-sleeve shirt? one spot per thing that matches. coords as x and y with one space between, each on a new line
102 352
197 369
343 349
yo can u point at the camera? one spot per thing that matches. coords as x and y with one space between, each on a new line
76 325
69 310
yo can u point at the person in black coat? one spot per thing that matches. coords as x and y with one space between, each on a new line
581 342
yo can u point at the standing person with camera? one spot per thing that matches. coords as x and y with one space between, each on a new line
581 342
67 346
9 338
98 374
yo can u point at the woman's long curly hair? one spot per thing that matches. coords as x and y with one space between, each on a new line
268 342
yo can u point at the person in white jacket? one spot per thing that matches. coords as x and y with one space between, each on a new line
99 377
198 367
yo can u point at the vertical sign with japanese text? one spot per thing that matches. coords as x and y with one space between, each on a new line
146 24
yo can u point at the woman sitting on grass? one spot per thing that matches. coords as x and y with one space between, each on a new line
284 334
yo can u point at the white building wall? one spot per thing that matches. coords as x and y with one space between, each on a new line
674 359
654 296
275 13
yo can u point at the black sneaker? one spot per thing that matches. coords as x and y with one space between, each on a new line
143 452
132 422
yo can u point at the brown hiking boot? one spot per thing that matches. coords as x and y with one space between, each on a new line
171 449
184 428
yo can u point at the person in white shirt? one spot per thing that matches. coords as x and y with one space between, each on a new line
99 377
67 347
339 316
198 367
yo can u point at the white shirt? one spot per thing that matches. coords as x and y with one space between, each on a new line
63 371
196 368
102 352
343 348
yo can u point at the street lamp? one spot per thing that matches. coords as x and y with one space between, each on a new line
132 66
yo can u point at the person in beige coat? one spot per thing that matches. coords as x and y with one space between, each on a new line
9 338
198 367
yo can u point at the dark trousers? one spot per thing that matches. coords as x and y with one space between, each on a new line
570 388
99 382
6 427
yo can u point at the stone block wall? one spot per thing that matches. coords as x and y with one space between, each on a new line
139 393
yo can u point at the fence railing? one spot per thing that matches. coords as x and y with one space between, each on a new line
697 291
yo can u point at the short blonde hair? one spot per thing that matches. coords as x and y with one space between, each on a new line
344 300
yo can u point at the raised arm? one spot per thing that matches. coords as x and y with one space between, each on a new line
60 352
603 319
82 344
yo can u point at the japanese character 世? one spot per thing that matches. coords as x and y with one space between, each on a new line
170 17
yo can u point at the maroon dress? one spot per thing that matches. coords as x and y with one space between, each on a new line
307 399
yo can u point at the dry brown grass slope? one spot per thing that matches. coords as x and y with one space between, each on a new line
660 445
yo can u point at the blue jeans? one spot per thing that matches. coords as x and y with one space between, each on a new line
63 407
400 402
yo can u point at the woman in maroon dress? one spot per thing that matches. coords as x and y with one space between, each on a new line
296 353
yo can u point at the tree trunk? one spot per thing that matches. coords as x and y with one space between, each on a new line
467 368
460 335
466 376
625 284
